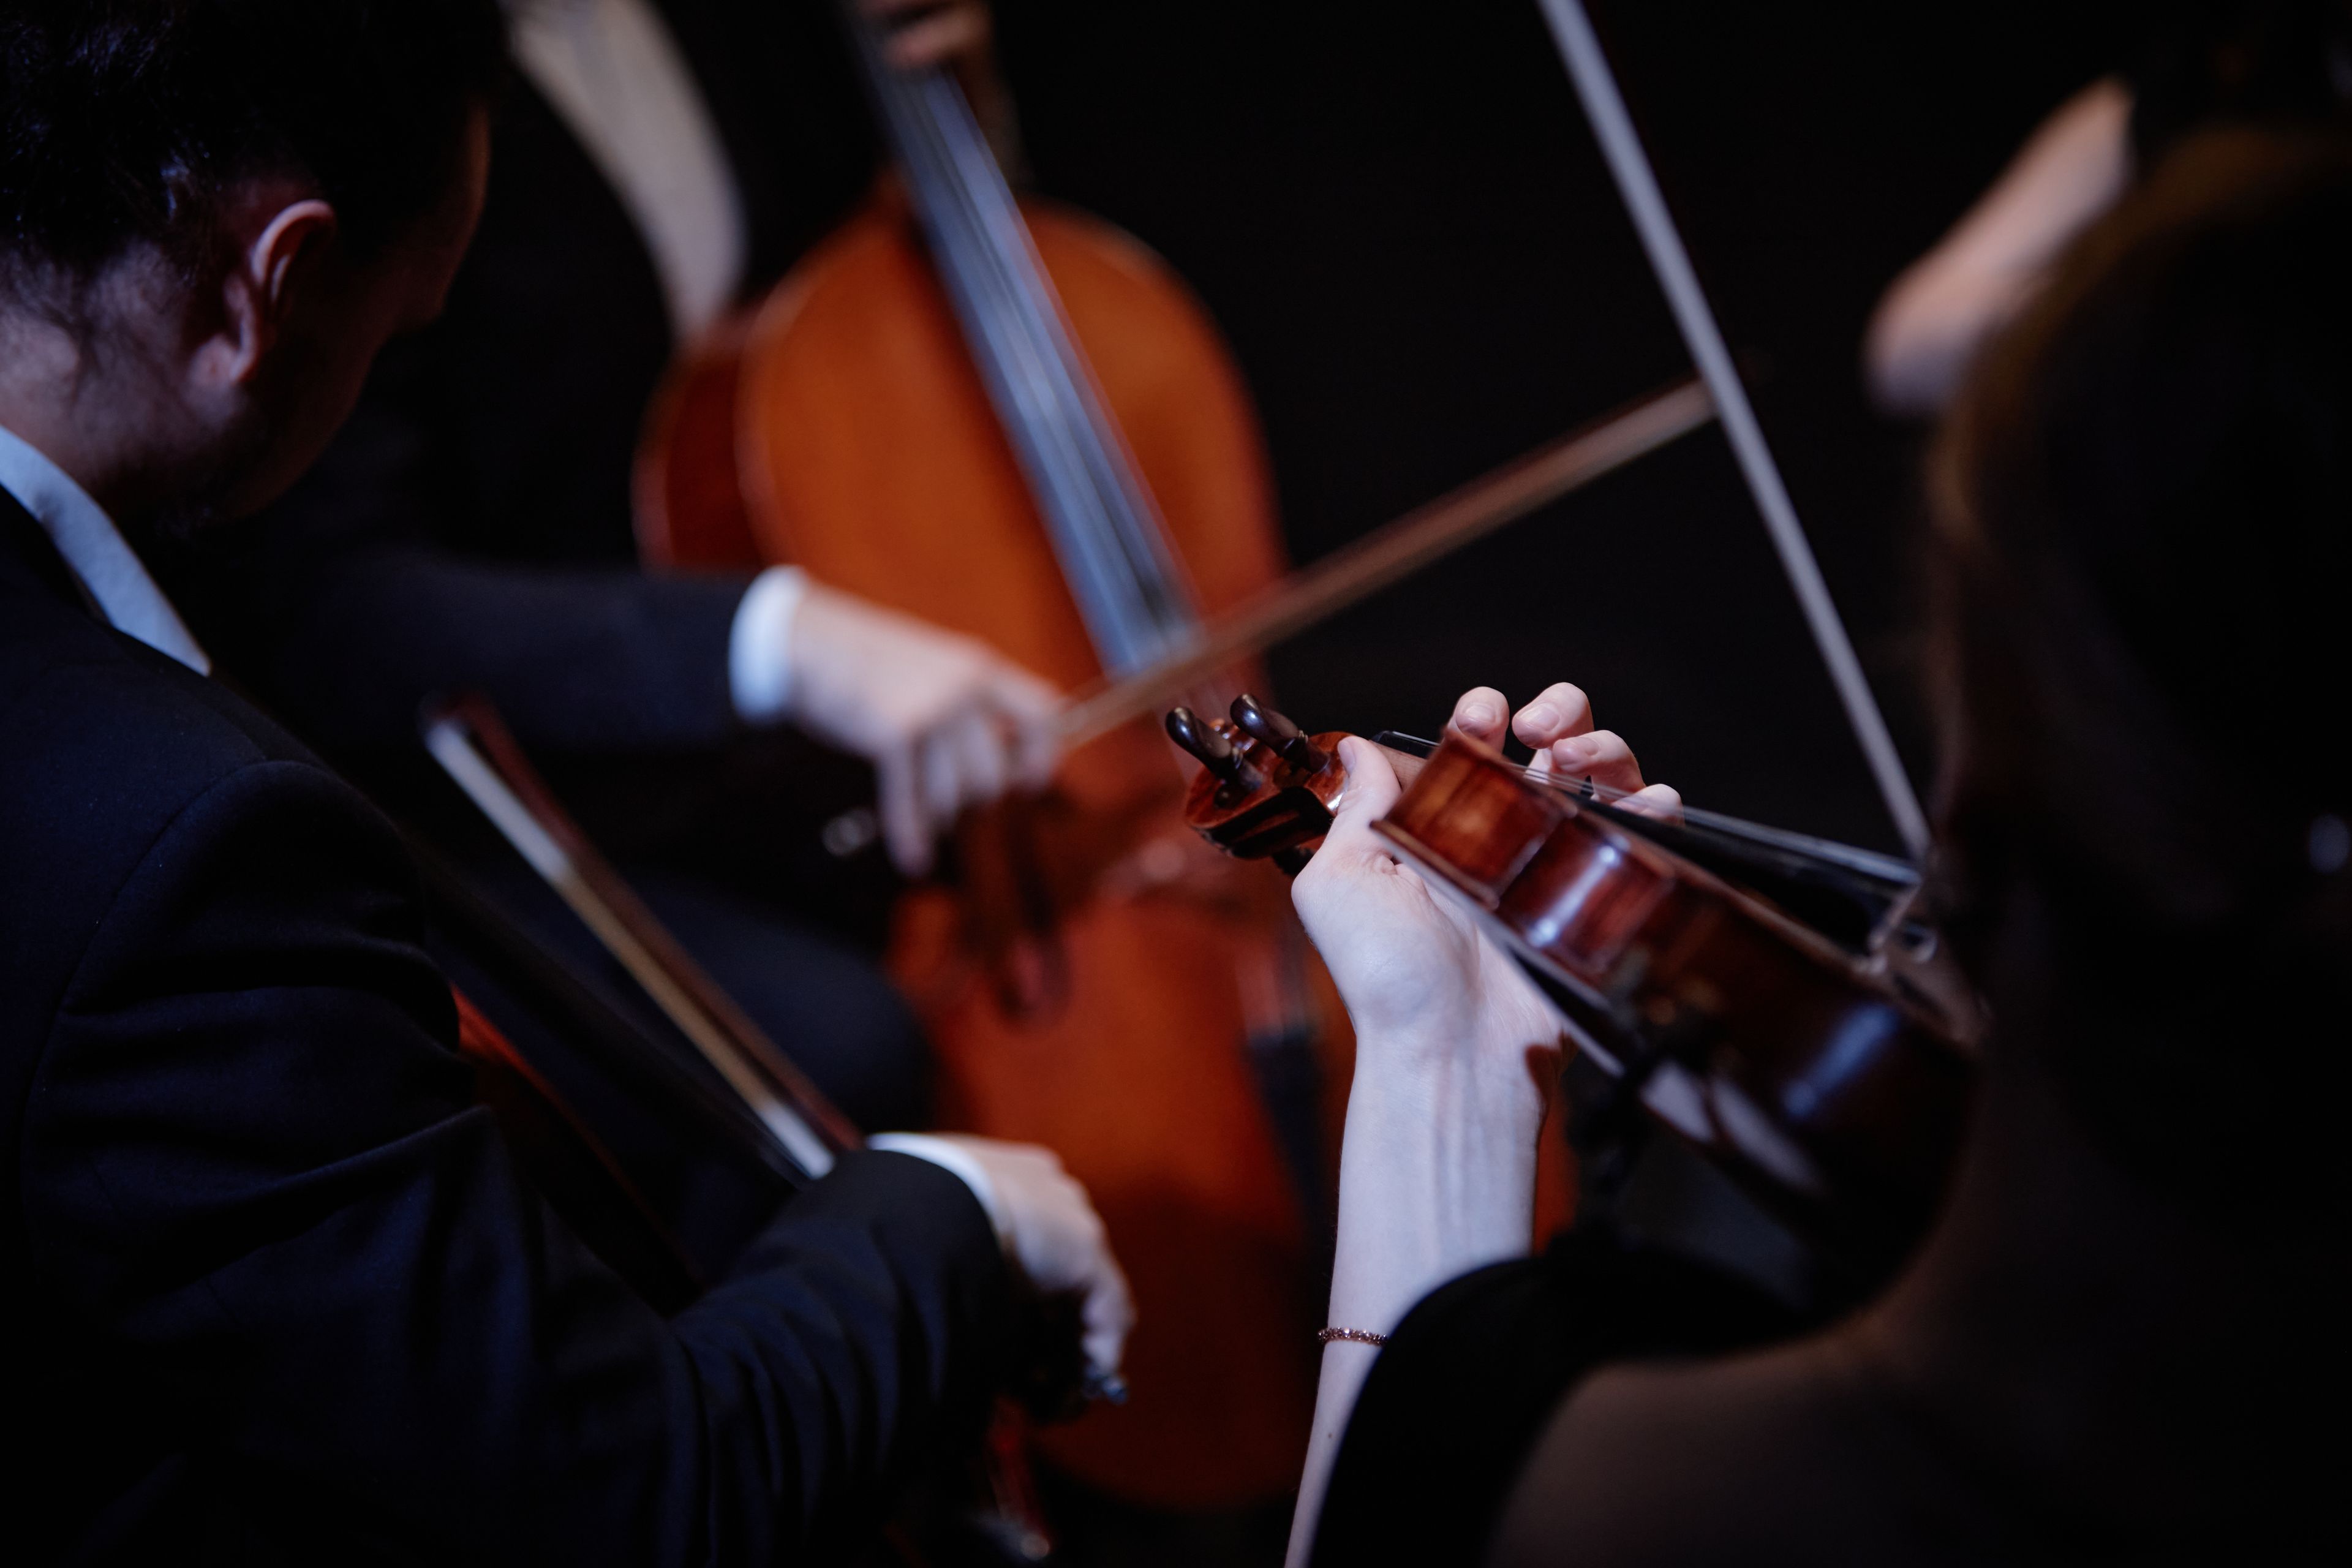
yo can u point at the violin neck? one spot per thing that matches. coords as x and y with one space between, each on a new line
1407 763
1106 532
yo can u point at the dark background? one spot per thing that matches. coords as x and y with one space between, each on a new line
1403 226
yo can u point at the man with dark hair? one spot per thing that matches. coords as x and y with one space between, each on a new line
273 1289
660 163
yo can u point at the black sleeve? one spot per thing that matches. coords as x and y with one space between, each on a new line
360 594
1466 1384
253 1165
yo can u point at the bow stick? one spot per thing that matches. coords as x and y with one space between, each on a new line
1637 182
1395 550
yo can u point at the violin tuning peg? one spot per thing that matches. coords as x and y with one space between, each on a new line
1290 743
1205 745
1260 722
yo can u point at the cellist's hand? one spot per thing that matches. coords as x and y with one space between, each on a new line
1558 727
948 722
1048 1228
961 35
925 33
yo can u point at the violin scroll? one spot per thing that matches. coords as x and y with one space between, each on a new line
1269 728
1211 748
1266 789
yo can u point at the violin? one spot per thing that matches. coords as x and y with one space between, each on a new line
1826 1060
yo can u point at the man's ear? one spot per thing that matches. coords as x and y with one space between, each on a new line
264 288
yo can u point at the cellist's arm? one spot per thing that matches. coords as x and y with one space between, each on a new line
959 35
252 1170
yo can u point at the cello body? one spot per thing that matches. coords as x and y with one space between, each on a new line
844 428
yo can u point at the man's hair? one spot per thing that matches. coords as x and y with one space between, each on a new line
124 123
2146 619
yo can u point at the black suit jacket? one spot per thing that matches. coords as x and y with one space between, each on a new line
270 1286
471 528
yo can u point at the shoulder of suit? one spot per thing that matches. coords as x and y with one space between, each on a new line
103 742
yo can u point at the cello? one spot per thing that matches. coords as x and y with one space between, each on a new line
1013 422
783 442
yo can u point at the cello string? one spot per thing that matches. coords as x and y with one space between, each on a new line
1098 577
981 182
1136 632
958 186
1033 382
1629 164
1019 390
1127 505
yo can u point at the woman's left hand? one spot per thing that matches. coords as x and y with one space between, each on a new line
1558 727
959 35
1425 988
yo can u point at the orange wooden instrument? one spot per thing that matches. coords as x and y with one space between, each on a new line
1012 421
1827 1063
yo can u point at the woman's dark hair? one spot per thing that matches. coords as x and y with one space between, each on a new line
2248 62
125 122
2145 541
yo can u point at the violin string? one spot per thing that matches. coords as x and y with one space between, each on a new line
1884 866
1637 183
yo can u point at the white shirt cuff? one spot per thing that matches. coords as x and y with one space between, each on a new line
760 646
944 1154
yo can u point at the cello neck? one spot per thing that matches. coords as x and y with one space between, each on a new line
1106 531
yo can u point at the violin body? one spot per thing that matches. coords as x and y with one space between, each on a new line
1834 1084
1087 980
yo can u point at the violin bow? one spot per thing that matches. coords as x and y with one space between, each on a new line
472 744
472 747
1430 533
1393 552
1637 183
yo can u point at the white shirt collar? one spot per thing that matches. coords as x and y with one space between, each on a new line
95 549
617 76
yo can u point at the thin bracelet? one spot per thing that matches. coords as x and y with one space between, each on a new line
1353 1336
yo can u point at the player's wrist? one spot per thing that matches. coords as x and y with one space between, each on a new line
760 659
